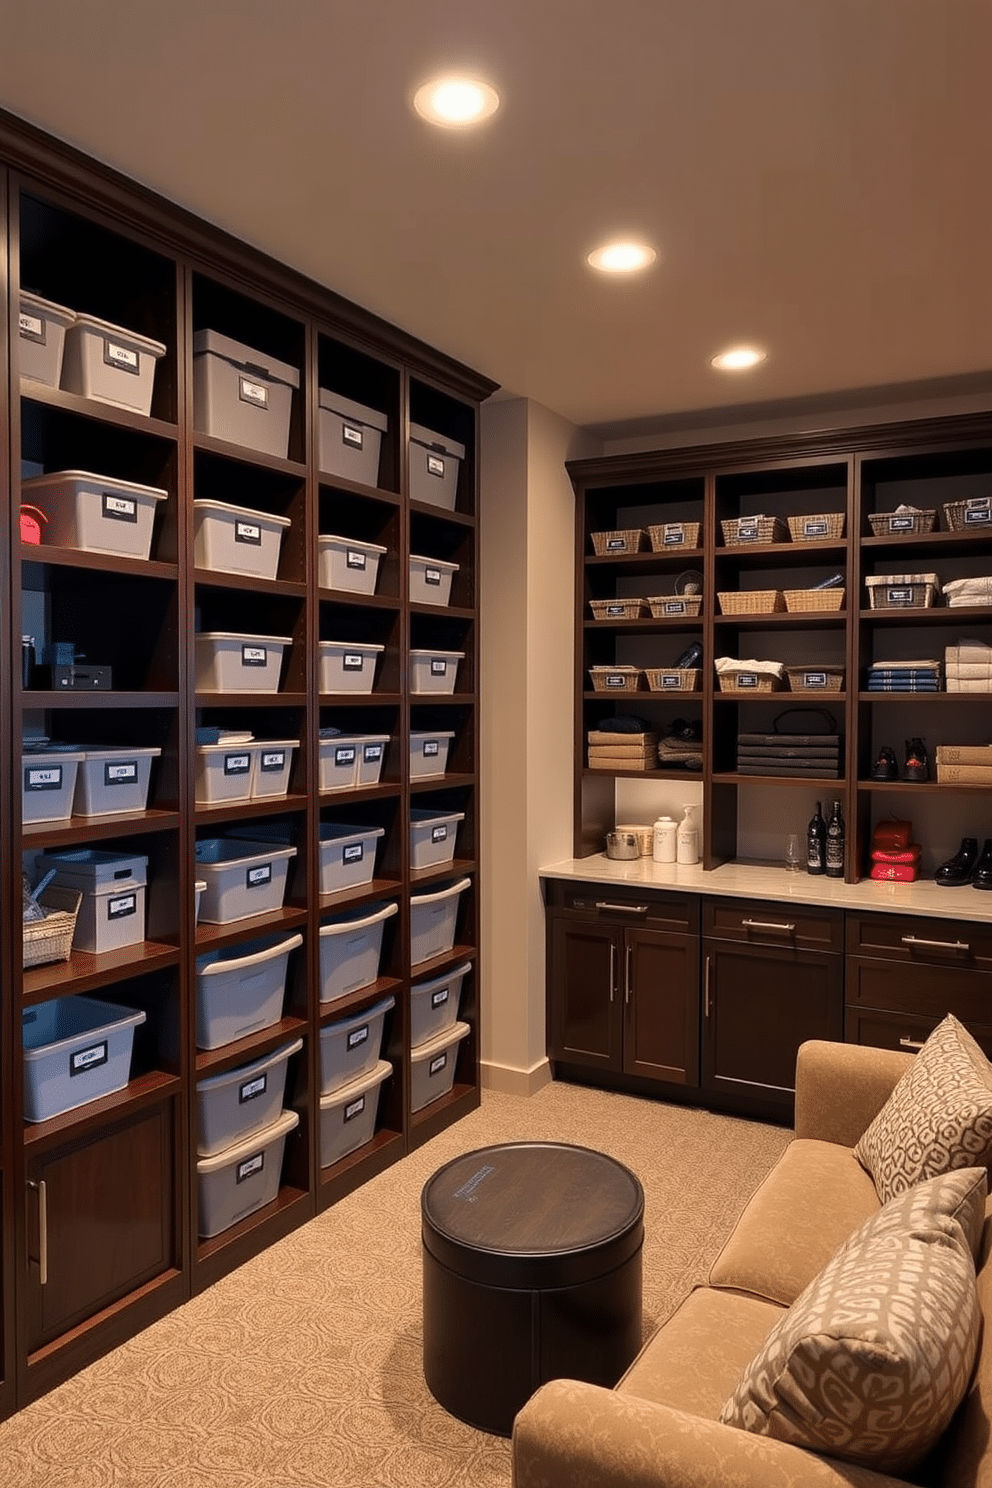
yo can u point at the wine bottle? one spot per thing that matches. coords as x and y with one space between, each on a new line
835 844
816 837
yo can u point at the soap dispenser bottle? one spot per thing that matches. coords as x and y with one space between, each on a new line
688 837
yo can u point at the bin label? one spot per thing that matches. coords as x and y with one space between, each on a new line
123 905
42 777
674 607
747 679
251 1088
900 524
899 596
978 510
254 656
435 465
248 532
353 661
250 1166
432 576
671 680
674 533
438 667
81 1060
345 755
119 508
814 679
615 544
616 679
615 609
354 1108
440 997
371 753
352 435
815 527
253 392
272 760
358 1036
747 531
355 559
32 328
121 357
257 878
431 747
120 772
237 764
437 1064
354 853
439 834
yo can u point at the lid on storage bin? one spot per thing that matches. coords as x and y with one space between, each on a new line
120 333
433 562
458 655
206 503
330 540
246 1071
120 751
344 1094
441 1041
246 358
249 1145
253 640
335 403
94 865
421 734
447 446
58 478
248 953
49 1027
236 849
353 645
342 832
47 309
421 815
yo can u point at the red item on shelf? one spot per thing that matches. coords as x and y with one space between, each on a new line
894 872
910 854
892 834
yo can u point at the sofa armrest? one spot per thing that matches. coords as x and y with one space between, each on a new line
840 1088
573 1435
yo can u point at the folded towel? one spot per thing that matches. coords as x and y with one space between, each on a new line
908 854
894 872
764 668
892 834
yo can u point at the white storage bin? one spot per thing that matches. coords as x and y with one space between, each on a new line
349 760
240 1179
346 856
433 918
48 783
434 1004
230 662
198 889
434 671
347 1115
235 1104
432 836
223 772
237 539
95 513
434 464
432 1066
41 338
242 880
347 666
110 782
242 395
241 990
429 752
273 763
370 759
346 563
112 914
75 1050
109 363
350 1047
351 950
430 580
350 437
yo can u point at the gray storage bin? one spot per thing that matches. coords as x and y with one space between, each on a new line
346 563
111 782
370 758
430 580
237 539
433 918
432 836
227 661
434 1004
235 1182
350 436
350 1047
235 1104
434 463
112 914
223 772
346 856
348 666
75 1050
432 1066
48 783
109 363
41 338
349 760
434 671
348 1114
242 395
242 880
95 513
273 763
429 752
351 950
241 990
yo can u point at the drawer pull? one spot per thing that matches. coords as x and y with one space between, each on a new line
767 925
628 982
41 1189
706 989
908 1043
938 945
623 908
613 970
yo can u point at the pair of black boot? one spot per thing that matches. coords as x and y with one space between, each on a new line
917 766
967 866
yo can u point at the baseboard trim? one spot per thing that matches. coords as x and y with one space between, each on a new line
509 1081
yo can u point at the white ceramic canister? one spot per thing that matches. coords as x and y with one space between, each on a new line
665 831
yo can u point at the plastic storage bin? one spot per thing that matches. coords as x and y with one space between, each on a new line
242 395
48 783
349 760
371 757
350 1047
229 662
241 990
110 782
433 918
235 1104
351 951
434 671
432 836
75 1050
434 1005
242 879
434 463
430 580
432 1066
198 888
346 856
350 436
223 772
111 364
273 763
95 513
429 752
41 332
112 914
346 563
237 539
235 1182
348 666
348 1114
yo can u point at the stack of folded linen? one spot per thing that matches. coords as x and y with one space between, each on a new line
968 666
815 755
966 764
681 748
960 593
904 676
623 744
894 858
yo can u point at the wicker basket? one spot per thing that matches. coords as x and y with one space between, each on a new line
50 939
615 544
902 524
751 601
962 516
749 530
673 679
824 527
618 609
665 535
902 591
671 606
797 600
827 678
616 679
747 681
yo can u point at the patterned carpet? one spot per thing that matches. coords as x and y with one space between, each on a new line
304 1366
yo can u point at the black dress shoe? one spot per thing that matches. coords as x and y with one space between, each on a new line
981 878
958 870
885 767
917 765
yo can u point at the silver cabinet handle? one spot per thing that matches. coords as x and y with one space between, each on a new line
623 908
628 985
766 925
706 988
42 1189
613 970
908 1043
938 945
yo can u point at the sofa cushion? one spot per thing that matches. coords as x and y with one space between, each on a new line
963 1458
871 1361
938 1117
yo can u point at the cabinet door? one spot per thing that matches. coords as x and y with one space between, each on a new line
759 1004
661 1006
583 993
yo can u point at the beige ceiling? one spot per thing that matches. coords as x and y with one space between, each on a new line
817 174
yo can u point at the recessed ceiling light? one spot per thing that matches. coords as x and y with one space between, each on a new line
738 359
623 257
456 102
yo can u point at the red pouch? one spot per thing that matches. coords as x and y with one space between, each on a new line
892 834
910 854
894 872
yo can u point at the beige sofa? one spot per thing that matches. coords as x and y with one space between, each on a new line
660 1427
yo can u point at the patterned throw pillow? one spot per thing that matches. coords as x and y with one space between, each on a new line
872 1359
938 1117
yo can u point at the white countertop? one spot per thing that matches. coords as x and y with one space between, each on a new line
765 881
